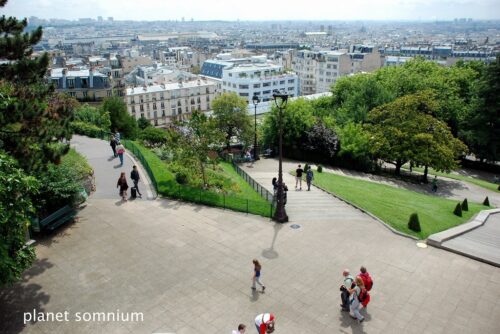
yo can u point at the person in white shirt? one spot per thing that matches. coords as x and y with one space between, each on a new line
264 323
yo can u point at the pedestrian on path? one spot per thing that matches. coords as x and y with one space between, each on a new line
256 275
275 185
265 323
122 184
344 292
434 184
365 276
298 177
241 329
112 143
121 151
355 299
285 191
117 135
134 175
309 177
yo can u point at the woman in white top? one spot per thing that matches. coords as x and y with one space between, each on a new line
355 304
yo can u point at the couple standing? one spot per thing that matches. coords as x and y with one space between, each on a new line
123 185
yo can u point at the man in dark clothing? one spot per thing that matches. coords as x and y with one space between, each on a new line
134 175
112 143
298 177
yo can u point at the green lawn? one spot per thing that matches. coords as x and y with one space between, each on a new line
245 200
394 205
478 182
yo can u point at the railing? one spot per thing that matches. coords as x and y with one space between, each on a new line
264 193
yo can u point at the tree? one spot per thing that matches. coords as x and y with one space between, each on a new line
120 118
298 117
202 135
16 190
143 123
33 121
231 117
92 115
354 146
481 125
405 130
353 97
320 143
154 137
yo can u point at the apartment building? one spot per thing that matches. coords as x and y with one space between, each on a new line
165 103
86 85
319 70
251 76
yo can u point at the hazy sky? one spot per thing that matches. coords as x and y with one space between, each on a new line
256 9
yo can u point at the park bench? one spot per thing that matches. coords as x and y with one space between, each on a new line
58 218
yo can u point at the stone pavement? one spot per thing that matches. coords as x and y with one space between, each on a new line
188 269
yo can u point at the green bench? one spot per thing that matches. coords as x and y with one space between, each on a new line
58 218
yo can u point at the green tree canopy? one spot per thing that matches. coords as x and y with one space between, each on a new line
120 119
405 130
481 125
231 117
92 115
16 190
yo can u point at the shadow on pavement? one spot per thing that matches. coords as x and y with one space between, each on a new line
270 253
346 321
255 295
22 297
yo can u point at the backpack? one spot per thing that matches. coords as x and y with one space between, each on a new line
367 281
364 297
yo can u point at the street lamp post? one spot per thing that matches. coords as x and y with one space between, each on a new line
280 215
255 101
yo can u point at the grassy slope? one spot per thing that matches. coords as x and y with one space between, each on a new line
394 205
77 162
478 182
248 200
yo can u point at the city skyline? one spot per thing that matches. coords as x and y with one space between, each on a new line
259 10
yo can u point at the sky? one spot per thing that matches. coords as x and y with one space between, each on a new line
232 10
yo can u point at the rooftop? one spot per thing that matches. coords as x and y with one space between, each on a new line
166 87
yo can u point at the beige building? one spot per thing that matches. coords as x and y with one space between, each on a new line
165 103
319 70
130 63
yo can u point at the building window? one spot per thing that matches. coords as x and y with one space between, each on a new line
266 92
85 83
291 88
133 109
71 83
275 83
256 86
72 94
208 90
243 94
85 94
141 108
266 84
110 93
282 82
291 81
154 106
243 86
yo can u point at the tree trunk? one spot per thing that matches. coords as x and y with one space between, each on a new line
398 167
426 170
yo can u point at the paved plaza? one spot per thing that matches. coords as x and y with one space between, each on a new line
188 269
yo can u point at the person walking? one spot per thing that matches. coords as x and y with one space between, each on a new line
117 136
265 323
112 143
121 151
122 184
256 275
355 299
134 175
241 329
275 185
367 279
285 191
298 177
309 177
344 292
434 184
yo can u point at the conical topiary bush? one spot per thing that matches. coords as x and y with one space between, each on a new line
414 223
465 205
458 210
486 201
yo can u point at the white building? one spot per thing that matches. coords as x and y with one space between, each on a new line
165 103
259 78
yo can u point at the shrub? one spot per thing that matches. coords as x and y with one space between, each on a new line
414 223
486 201
87 129
181 178
458 210
465 205
320 169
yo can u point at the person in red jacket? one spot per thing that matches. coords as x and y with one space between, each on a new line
367 279
264 323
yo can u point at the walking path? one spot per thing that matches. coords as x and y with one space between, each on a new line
188 268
